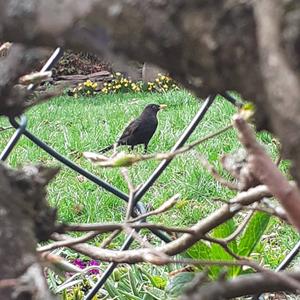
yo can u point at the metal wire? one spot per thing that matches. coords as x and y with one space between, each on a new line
14 139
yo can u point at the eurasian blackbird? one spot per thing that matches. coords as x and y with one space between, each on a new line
141 130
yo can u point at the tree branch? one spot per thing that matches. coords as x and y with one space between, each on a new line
241 286
185 241
267 172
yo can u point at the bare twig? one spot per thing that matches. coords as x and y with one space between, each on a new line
144 243
278 213
195 233
163 208
110 238
239 229
106 227
223 244
59 263
80 273
205 163
130 204
267 172
69 242
240 286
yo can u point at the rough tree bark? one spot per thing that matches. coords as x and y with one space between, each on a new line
25 219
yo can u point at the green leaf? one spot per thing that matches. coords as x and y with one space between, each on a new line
218 253
110 289
252 235
177 283
129 296
158 282
133 283
199 250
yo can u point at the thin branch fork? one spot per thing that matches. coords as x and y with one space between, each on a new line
216 175
96 229
267 172
102 228
239 229
223 244
275 212
69 242
163 208
195 233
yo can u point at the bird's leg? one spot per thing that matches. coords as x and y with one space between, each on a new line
145 147
115 149
132 147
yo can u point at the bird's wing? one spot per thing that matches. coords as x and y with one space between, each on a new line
130 129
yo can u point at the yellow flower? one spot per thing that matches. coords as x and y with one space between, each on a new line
87 83
126 84
118 74
94 85
88 92
165 86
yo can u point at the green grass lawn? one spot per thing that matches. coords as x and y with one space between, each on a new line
72 126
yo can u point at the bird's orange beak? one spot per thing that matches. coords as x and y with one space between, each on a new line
163 106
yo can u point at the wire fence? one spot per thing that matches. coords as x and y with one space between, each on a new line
139 208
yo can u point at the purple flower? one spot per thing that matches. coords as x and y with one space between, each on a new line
79 263
94 263
83 264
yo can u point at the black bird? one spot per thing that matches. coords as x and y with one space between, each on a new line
141 130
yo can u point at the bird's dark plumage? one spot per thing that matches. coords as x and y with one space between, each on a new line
141 130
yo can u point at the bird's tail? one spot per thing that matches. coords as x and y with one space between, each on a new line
109 147
106 148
